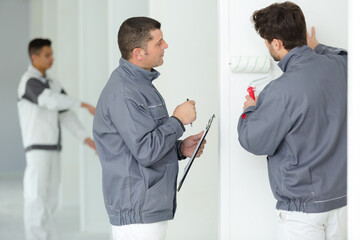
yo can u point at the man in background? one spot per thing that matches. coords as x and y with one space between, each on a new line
137 141
299 121
43 105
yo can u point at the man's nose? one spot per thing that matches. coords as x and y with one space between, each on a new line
165 45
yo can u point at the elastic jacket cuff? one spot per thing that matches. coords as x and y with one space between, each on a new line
182 125
178 150
247 112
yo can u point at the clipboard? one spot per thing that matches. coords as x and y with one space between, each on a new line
188 166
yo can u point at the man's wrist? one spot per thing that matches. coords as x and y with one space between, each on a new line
182 125
178 150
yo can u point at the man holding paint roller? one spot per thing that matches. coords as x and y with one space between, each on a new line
299 121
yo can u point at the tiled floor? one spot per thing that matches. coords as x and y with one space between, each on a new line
11 215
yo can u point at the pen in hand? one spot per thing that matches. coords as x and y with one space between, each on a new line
190 123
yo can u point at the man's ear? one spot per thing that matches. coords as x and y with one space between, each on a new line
137 54
33 57
277 44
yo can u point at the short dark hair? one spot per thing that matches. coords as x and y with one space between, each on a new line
135 33
283 21
36 44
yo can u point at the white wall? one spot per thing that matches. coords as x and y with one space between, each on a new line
246 198
190 70
13 63
118 12
93 76
353 121
67 71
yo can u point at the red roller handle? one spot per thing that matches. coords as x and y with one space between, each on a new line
251 91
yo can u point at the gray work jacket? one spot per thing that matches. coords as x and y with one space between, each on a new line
299 121
136 141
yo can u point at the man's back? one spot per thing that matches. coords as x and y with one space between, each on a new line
304 134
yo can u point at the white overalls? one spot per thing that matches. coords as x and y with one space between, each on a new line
43 105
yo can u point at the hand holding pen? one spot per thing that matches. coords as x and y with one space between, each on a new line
186 112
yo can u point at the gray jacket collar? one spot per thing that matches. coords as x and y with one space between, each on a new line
138 72
294 56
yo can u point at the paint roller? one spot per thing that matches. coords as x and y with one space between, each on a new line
250 64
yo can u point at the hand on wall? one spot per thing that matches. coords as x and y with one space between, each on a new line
311 40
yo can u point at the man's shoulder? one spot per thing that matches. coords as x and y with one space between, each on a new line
280 88
25 78
27 75
278 83
122 82
117 86
116 83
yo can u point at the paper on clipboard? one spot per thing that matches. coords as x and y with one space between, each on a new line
188 166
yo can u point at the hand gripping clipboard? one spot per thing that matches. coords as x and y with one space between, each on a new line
188 166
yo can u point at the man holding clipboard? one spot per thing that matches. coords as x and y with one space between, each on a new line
137 141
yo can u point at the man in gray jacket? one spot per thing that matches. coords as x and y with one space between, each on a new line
137 141
299 121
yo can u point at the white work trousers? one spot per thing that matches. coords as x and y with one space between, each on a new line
331 225
41 190
151 231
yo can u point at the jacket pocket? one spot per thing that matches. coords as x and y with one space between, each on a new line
158 112
160 197
273 180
